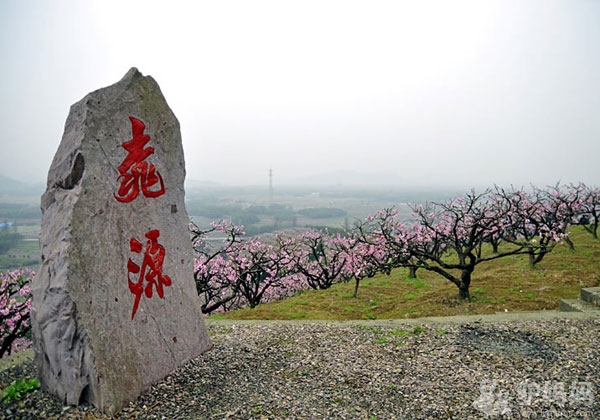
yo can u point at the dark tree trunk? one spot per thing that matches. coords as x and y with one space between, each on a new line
531 258
356 284
465 282
592 227
412 272
495 247
570 243
536 258
11 337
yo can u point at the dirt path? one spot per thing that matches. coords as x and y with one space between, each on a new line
457 319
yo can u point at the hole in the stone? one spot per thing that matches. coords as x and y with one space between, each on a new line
76 173
84 396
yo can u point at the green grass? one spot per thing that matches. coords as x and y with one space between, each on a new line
506 284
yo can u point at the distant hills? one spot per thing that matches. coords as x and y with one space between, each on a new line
342 178
351 179
10 187
346 178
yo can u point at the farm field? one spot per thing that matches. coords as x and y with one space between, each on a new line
26 253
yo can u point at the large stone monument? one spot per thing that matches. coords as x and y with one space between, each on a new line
115 307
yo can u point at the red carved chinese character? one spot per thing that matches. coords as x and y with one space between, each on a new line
151 269
135 172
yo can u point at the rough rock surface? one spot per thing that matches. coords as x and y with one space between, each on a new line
114 302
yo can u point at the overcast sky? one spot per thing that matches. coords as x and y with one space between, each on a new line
457 93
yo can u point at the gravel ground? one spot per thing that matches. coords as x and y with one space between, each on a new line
538 369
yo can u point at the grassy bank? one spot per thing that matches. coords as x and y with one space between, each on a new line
507 284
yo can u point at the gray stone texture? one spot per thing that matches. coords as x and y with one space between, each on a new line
88 347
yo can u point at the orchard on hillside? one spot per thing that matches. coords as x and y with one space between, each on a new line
447 238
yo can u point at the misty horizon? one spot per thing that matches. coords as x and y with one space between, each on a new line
342 180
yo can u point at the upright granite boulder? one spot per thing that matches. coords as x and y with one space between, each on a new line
115 307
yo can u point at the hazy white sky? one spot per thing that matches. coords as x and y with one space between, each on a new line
453 93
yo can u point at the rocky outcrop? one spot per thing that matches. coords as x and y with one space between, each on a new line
114 303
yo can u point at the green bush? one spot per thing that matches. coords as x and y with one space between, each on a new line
18 388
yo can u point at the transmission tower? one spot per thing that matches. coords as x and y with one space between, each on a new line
270 185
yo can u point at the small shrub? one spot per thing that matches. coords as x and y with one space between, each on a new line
18 388
399 333
418 330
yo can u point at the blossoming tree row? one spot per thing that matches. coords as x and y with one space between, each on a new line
450 238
